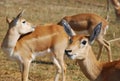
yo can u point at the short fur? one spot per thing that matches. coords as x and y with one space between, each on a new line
84 24
93 69
23 43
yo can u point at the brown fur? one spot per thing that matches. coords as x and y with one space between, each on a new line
44 37
87 21
23 43
93 69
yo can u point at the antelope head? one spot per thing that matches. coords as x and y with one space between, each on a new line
80 44
19 24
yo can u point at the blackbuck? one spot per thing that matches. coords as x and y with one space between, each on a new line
80 49
85 23
23 43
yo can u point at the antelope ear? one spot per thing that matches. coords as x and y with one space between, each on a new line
95 33
8 20
20 14
67 28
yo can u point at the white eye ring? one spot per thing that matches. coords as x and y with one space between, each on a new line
83 43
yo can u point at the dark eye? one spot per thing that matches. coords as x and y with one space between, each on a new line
24 22
70 41
84 42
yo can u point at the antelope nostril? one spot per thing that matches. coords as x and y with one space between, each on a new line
67 51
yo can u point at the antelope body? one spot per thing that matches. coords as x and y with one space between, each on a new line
85 23
23 45
80 49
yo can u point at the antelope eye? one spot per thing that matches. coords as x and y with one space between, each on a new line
70 41
84 42
24 22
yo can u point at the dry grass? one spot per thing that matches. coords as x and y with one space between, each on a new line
47 11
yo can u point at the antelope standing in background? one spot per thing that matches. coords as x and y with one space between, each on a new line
80 49
85 23
23 43
116 5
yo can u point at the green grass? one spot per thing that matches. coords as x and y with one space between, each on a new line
51 11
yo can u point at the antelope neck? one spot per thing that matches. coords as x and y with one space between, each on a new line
90 66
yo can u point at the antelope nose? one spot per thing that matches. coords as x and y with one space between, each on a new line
68 51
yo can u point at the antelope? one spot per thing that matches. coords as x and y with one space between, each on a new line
116 5
80 49
23 43
85 23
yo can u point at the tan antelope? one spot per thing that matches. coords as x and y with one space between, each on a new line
80 49
23 43
85 23
116 5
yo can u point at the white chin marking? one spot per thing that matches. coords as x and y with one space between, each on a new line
73 57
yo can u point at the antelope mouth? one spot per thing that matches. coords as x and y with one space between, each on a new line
70 54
